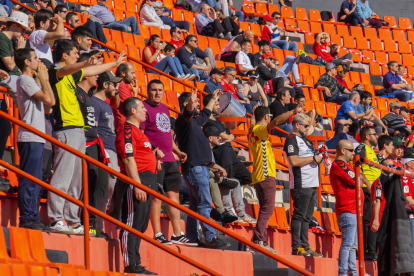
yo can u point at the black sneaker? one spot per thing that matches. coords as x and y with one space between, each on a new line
183 240
229 183
46 228
162 239
228 218
216 243
30 225
103 235
370 257
138 269
198 242
312 253
299 58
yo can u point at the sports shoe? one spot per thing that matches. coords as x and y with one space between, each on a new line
138 269
312 253
301 84
227 217
183 240
79 230
267 247
229 183
300 252
216 243
180 77
60 227
103 235
44 227
228 36
30 225
161 239
299 58
247 219
92 232
190 77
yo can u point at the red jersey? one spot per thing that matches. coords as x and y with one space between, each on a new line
342 178
322 51
131 141
177 44
376 193
66 29
124 93
152 52
408 187
342 81
229 88
266 33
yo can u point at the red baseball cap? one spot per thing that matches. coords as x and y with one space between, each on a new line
268 18
268 55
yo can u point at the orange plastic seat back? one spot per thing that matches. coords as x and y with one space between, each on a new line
19 244
356 31
391 20
286 12
362 43
404 47
315 15
398 35
342 30
329 28
370 33
301 14
384 34
404 23
375 44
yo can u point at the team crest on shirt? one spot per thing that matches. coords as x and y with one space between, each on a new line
128 148
406 189
290 149
351 174
378 193
163 122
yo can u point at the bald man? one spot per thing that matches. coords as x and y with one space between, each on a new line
230 51
342 178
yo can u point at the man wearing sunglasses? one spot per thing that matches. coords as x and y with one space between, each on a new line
342 178
304 173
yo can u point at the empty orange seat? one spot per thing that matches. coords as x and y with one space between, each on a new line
391 20
375 69
261 9
314 95
404 47
273 8
286 12
309 39
365 78
166 81
390 46
342 30
281 218
329 28
315 27
121 47
381 57
370 33
349 42
290 24
362 43
408 59
356 31
301 14
116 35
404 23
303 25
330 223
375 44
398 35
304 69
336 39
410 36
354 77
384 34
394 57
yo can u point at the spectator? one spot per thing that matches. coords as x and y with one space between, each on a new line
364 105
364 11
242 59
230 51
348 111
267 74
208 24
385 146
395 85
285 3
43 4
370 177
341 75
401 74
321 49
290 64
214 82
101 12
404 113
229 75
165 14
263 49
264 168
304 171
234 13
7 7
126 89
151 55
31 99
395 122
149 17
253 90
82 36
349 15
397 152
408 186
275 33
68 129
137 161
61 10
187 56
342 178
192 141
169 51
218 4
281 105
158 130
332 89
72 20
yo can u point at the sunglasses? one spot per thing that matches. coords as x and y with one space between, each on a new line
305 125
276 18
350 150
232 75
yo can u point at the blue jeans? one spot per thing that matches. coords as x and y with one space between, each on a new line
5 127
339 98
97 31
412 230
124 24
354 19
197 181
249 108
403 95
211 3
289 65
285 45
31 162
347 222
286 127
167 64
239 15
199 74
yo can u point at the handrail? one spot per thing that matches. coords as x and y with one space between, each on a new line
154 194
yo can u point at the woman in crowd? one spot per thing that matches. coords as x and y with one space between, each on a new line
149 17
253 90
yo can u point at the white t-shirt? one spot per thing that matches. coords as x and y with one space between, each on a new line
31 109
40 46
244 60
276 32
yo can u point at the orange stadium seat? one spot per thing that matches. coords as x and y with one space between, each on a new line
304 68
303 25
261 9
404 23
273 8
301 14
394 57
365 78
391 20
367 54
336 39
390 46
286 12
356 32
375 69
342 30
404 47
370 33
329 28
410 36
408 59
381 57
315 15
384 34
315 27
290 24
375 44
309 39
398 35
362 43
349 42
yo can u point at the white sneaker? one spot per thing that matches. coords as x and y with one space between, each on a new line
78 230
247 219
61 228
180 77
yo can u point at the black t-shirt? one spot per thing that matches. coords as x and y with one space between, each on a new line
189 58
88 113
277 108
224 154
257 59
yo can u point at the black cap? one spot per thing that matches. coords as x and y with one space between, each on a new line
211 131
408 153
215 71
107 76
253 74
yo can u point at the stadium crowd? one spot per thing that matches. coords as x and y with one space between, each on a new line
61 86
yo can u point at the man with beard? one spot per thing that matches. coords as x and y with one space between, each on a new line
225 156
126 71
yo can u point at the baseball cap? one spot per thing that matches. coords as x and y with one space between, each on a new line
211 131
107 76
268 18
268 55
253 74
397 141
215 71
330 66
395 104
403 108
408 156
341 68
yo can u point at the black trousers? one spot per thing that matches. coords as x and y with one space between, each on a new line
97 181
277 84
135 214
370 238
240 172
304 201
46 171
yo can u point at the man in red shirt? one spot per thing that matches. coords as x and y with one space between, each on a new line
136 159
126 71
229 75
342 178
321 49
408 185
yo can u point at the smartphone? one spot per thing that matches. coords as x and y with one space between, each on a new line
374 107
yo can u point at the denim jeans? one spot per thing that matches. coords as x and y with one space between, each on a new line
347 222
339 98
285 45
403 95
97 31
354 19
289 65
124 24
249 108
5 127
197 181
197 72
167 64
239 15
286 127
412 230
